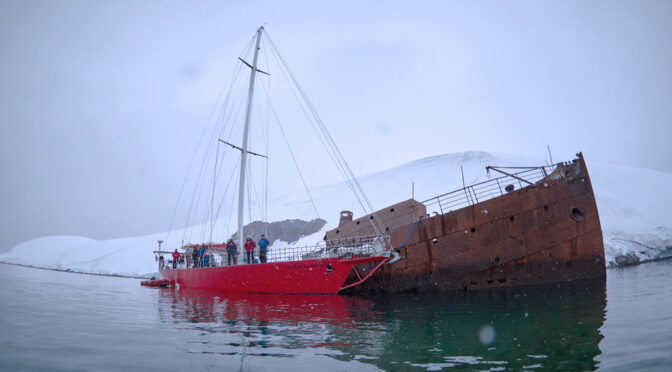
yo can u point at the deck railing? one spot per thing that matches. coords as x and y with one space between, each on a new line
359 246
479 192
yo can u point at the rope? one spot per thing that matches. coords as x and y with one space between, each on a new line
415 225
291 153
198 187
232 79
337 156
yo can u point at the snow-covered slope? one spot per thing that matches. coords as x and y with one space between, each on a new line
633 206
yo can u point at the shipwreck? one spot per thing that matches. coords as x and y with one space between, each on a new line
529 225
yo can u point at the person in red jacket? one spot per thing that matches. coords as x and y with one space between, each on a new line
176 257
249 249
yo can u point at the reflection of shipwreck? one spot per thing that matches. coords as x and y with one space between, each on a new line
531 225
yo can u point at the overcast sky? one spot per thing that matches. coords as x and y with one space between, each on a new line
102 102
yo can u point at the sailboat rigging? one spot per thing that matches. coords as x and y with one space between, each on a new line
322 268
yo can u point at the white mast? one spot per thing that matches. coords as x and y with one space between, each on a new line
243 153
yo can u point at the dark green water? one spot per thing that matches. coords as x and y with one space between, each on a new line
61 321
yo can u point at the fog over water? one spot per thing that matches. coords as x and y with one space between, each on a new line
102 103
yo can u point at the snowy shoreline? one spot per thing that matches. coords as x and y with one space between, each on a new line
74 271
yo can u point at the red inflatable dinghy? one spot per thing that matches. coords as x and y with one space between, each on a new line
155 283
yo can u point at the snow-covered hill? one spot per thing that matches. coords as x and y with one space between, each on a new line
633 206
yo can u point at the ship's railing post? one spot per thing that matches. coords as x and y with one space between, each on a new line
467 196
474 192
500 187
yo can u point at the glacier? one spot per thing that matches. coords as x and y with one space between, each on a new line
634 213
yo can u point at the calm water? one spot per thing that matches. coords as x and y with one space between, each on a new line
61 321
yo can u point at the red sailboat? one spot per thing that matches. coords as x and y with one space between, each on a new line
327 267
322 268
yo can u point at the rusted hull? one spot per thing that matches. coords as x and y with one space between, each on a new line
544 233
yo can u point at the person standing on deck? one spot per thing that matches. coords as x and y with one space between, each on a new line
206 259
263 248
231 252
194 257
176 256
249 249
201 252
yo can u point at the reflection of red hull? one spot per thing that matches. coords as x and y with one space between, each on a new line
208 305
326 275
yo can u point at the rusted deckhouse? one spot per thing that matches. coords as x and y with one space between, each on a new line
531 225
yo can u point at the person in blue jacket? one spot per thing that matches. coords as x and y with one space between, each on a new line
263 248
201 252
206 259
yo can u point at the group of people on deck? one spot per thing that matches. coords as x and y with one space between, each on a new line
232 250
201 257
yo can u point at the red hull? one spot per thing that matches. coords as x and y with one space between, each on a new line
325 275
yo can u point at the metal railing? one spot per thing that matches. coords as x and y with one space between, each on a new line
359 246
489 189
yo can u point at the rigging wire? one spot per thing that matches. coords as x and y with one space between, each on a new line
291 153
256 194
340 162
232 78
225 121
195 201
228 184
310 118
196 197
228 223
264 164
212 196
248 172
266 140
215 183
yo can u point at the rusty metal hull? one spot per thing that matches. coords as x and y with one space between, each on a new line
543 233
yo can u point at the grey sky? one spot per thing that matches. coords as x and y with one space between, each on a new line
102 102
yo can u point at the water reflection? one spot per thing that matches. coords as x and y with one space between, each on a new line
549 327
284 321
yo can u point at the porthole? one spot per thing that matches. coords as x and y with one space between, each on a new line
357 222
391 209
577 214
337 231
473 230
545 207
